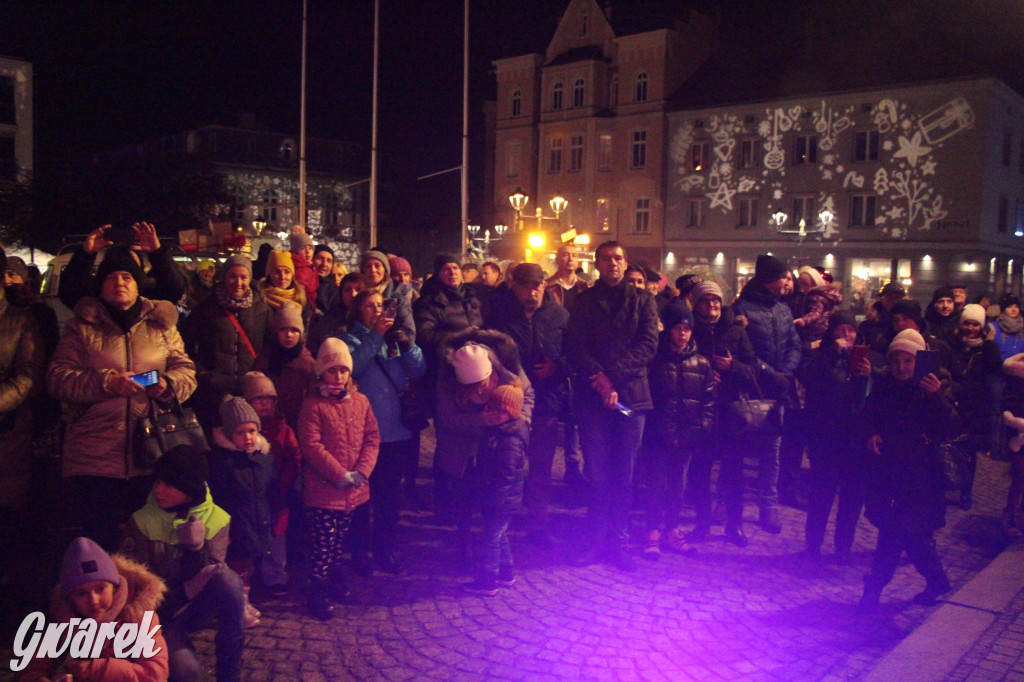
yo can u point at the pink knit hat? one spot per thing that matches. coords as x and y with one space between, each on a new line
909 341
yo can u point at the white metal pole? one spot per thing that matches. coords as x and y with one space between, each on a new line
373 140
302 128
463 234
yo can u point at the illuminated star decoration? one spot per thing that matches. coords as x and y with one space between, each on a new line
911 149
722 197
928 168
895 213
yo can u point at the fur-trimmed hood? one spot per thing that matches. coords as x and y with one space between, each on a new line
502 345
140 591
221 439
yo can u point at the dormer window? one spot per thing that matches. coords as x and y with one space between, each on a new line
556 96
584 21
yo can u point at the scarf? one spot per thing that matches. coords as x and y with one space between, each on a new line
328 391
228 302
276 297
125 319
1011 325
281 356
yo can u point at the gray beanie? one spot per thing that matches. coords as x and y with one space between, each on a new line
299 240
377 255
235 412
238 259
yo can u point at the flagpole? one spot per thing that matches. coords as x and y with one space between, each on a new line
463 235
302 128
373 140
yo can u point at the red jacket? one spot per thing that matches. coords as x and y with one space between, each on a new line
305 276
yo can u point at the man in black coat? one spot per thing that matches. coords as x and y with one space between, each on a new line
537 325
612 338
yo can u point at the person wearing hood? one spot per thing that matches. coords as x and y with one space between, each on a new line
683 391
903 423
942 315
114 591
376 269
113 337
183 537
778 347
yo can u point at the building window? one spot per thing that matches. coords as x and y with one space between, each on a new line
556 96
268 212
748 153
602 215
515 156
577 93
696 212
700 156
515 103
640 89
584 22
642 216
555 156
8 164
287 150
865 146
1007 148
862 210
8 112
614 91
805 149
575 153
604 153
803 209
748 212
1004 214
638 157
1020 162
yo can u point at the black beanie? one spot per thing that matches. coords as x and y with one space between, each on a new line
117 259
912 309
942 292
442 259
839 317
769 269
185 469
323 247
675 313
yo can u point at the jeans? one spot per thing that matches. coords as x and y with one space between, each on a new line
610 442
221 599
767 453
541 455
494 548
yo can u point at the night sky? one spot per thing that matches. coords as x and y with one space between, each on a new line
111 74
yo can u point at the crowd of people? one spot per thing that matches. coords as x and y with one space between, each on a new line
313 386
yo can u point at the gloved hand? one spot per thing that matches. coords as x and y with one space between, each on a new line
352 479
400 338
192 534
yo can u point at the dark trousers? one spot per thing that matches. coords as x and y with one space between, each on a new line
920 549
385 500
100 505
730 477
666 475
541 456
839 468
610 442
222 600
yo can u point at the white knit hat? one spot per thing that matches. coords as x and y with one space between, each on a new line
472 364
973 311
257 385
813 273
909 341
333 352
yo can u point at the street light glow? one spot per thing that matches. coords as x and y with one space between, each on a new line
518 200
558 204
536 240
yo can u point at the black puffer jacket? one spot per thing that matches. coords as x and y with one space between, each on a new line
683 388
240 484
538 338
727 336
441 311
773 336
212 341
835 396
613 330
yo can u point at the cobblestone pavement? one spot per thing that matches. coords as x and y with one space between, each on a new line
760 613
998 654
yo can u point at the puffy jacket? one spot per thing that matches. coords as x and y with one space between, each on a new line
370 361
538 338
240 482
613 330
292 378
814 308
727 336
221 356
21 370
441 311
138 592
683 389
335 437
1010 343
773 336
101 424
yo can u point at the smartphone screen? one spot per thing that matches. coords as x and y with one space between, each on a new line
390 308
146 378
925 362
856 354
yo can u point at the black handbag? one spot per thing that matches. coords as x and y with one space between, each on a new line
412 412
162 429
750 415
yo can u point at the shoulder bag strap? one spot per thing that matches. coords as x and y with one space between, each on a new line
241 333
384 368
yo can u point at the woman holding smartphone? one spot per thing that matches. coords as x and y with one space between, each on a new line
114 337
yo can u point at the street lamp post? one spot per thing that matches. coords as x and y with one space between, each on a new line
519 199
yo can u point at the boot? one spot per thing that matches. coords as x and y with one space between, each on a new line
872 593
336 588
319 605
485 586
770 522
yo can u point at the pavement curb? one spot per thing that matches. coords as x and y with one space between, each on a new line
933 650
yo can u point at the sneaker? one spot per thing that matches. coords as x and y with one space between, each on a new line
736 536
931 593
484 586
506 576
770 522
652 546
677 541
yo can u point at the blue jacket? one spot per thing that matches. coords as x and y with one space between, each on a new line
1009 344
772 333
368 352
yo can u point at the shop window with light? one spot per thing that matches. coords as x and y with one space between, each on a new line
748 212
805 149
638 154
515 156
696 212
1002 221
555 155
603 216
642 216
748 153
803 209
862 210
556 96
576 153
604 153
640 87
515 103
865 145
700 156
578 92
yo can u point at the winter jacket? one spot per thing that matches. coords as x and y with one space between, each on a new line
197 292
221 356
403 316
307 277
1009 335
442 311
683 388
240 482
292 378
101 424
773 336
562 296
942 327
835 396
164 282
284 449
21 374
907 486
814 308
139 591
460 431
876 323
538 338
370 361
976 371
151 538
328 295
333 324
727 336
335 437
613 330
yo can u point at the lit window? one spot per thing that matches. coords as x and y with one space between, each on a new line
700 154
555 156
642 216
805 149
604 153
577 93
638 158
576 153
556 96
640 89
